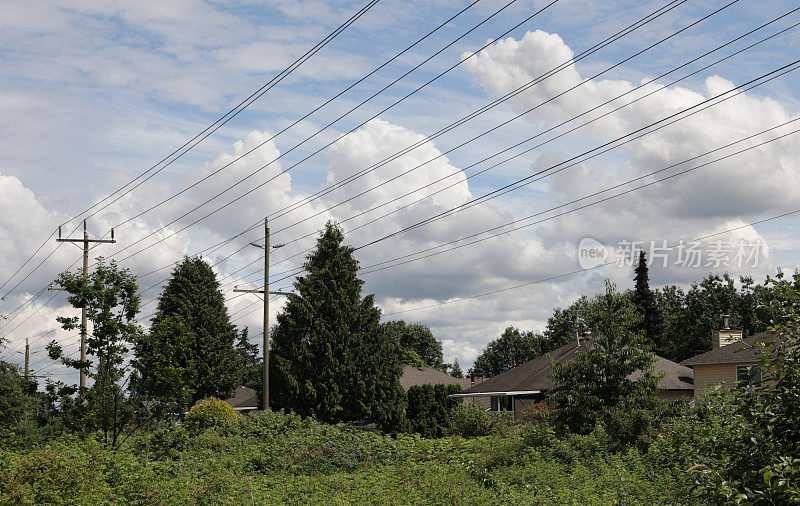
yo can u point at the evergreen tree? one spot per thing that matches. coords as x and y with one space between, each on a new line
189 352
645 302
455 371
330 356
251 362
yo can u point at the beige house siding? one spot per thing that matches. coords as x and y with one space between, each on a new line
707 375
674 395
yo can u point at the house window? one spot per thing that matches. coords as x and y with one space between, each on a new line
748 376
501 403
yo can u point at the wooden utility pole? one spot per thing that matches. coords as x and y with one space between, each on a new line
85 242
266 247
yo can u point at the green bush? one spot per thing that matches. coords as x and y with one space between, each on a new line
210 413
470 420
429 406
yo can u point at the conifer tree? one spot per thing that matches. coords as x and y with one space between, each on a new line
251 362
330 357
455 370
189 350
645 302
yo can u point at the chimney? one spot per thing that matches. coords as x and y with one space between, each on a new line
726 336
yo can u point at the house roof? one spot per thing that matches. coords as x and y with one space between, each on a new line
741 351
428 375
534 375
243 398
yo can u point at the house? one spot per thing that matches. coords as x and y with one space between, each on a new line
243 399
732 361
528 383
417 376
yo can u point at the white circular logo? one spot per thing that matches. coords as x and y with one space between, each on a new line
591 253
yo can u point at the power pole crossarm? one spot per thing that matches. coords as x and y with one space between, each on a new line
86 241
266 292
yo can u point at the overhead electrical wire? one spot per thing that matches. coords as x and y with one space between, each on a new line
582 270
172 234
194 141
565 122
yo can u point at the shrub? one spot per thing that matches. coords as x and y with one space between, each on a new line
536 414
429 406
469 420
210 413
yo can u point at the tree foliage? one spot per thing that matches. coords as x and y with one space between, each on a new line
429 407
417 338
511 349
614 370
13 397
455 370
110 297
330 356
189 352
644 300
251 362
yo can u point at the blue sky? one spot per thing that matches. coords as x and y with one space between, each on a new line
93 93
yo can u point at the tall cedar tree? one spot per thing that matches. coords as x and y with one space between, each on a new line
612 371
330 356
645 301
189 352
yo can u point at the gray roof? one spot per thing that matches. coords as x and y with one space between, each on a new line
429 376
243 398
741 351
534 375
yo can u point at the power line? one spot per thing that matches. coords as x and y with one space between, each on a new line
382 265
172 234
580 271
598 150
194 141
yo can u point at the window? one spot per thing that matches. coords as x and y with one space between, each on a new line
748 376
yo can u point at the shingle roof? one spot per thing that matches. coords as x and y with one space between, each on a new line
738 352
535 374
428 375
243 398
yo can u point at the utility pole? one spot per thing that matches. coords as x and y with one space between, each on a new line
85 242
266 247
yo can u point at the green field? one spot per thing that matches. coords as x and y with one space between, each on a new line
277 459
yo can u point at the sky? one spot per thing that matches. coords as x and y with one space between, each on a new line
590 144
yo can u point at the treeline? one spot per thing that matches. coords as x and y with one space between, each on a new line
331 357
676 323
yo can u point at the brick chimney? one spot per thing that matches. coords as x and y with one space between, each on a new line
726 335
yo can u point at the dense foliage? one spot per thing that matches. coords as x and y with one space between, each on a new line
612 371
511 349
330 356
283 459
109 295
416 340
210 413
429 407
189 352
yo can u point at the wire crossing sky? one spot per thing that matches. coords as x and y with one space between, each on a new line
475 146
